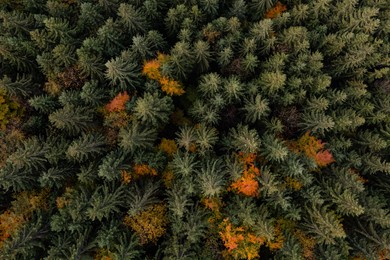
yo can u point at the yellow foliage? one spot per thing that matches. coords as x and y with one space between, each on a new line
104 254
150 224
9 110
61 202
168 177
293 183
168 146
117 119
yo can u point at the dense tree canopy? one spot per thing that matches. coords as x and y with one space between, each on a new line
194 129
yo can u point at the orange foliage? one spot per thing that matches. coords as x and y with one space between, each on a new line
118 103
354 172
168 146
9 224
117 119
22 208
171 87
247 183
151 70
307 243
104 254
384 254
239 242
168 177
323 158
277 242
144 169
150 224
313 149
126 177
276 10
214 204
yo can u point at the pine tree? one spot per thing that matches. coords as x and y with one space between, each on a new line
136 136
122 72
152 109
86 147
72 119
22 86
211 178
105 200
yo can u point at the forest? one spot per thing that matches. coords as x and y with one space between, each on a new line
195 129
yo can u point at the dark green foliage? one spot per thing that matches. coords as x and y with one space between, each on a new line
72 119
277 147
135 137
152 109
112 164
105 200
86 147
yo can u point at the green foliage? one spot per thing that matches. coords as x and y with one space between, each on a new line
72 119
211 178
219 161
104 201
121 72
136 136
152 109
86 147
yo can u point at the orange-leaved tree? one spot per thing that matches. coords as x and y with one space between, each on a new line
152 70
247 184
143 169
19 213
276 10
312 148
240 242
118 102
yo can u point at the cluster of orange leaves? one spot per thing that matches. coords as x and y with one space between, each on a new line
308 244
118 102
144 169
276 10
114 112
277 242
126 177
21 210
151 69
247 183
313 148
240 242
150 224
168 146
168 177
104 254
